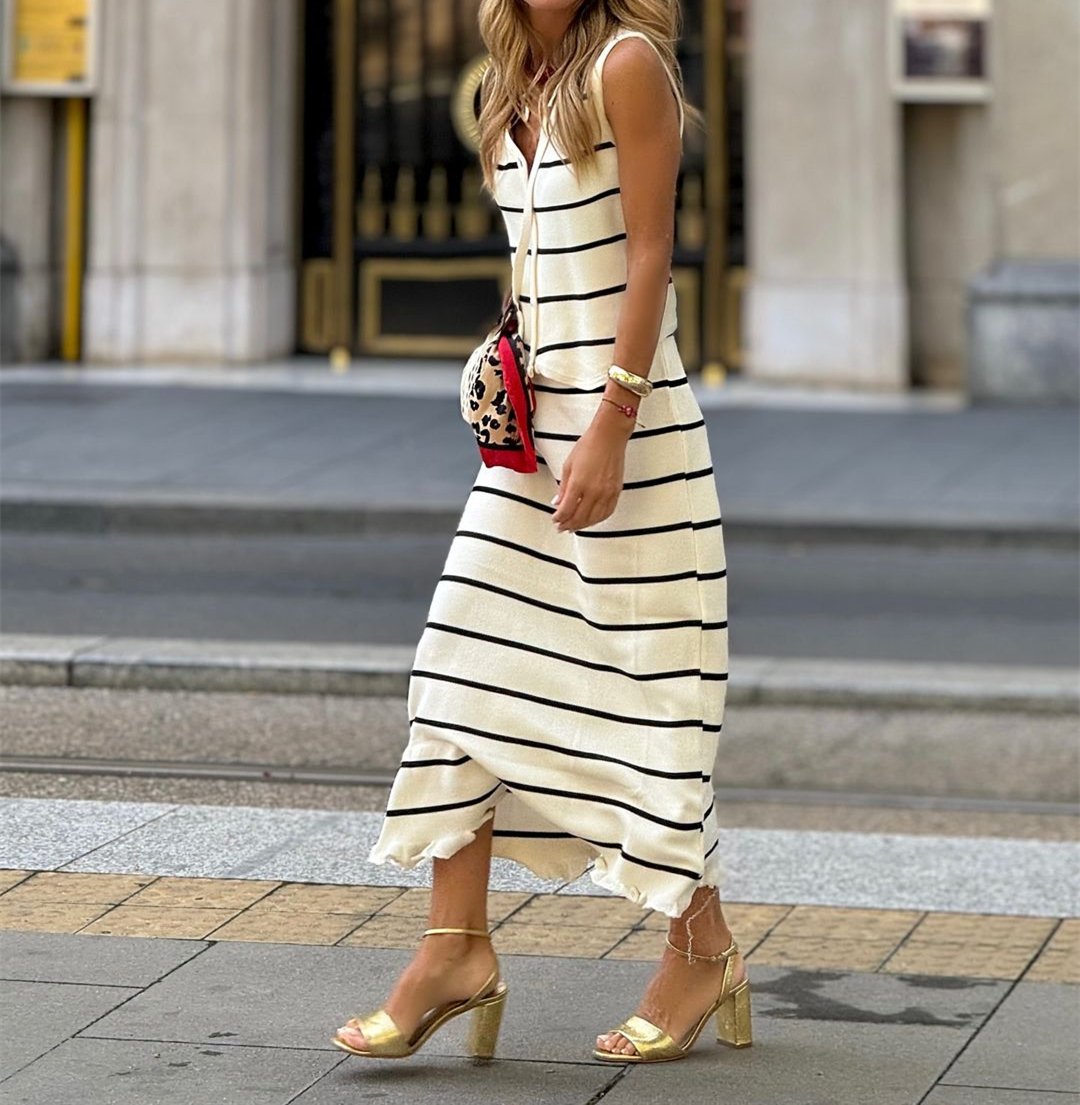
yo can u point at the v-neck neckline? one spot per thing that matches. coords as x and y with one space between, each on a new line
524 162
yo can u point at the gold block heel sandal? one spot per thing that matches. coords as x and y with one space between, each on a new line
731 1008
386 1041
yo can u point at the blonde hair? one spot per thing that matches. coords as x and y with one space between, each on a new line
508 85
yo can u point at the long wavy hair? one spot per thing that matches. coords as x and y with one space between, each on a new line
510 82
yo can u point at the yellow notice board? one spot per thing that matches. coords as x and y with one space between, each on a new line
49 47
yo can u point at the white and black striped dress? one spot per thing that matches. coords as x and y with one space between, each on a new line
572 684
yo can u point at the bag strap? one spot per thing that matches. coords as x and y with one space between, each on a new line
528 221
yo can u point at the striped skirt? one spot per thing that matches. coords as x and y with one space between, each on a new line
571 685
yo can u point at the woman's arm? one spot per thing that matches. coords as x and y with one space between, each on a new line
644 118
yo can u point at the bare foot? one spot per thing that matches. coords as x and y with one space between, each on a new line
676 997
447 967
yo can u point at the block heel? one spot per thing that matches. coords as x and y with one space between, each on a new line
486 1021
733 1018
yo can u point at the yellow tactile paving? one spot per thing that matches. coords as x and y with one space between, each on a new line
283 926
1059 961
574 941
975 928
35 916
77 886
833 923
572 909
791 935
178 923
822 952
316 898
925 957
10 877
387 931
170 891
416 902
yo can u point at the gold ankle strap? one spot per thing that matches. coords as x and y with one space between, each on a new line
726 954
467 932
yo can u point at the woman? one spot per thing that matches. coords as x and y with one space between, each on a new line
569 686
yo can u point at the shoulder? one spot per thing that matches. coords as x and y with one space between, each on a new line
633 80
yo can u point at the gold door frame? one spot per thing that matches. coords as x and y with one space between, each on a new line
334 316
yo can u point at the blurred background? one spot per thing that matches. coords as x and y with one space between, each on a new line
245 252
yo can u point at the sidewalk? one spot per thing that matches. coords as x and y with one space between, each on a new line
161 953
300 449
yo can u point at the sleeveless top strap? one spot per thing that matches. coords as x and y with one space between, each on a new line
618 36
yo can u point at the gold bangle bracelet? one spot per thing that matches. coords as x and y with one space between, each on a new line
639 385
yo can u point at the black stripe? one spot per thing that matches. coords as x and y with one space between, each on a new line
632 627
580 344
712 848
576 295
577 753
681 381
578 203
604 800
556 704
436 763
566 161
673 428
669 577
573 249
410 810
613 845
656 480
594 665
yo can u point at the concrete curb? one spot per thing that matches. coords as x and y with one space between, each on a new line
187 513
125 663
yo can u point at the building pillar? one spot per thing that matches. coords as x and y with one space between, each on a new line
826 302
191 243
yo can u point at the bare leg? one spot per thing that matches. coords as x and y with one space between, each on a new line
447 966
680 991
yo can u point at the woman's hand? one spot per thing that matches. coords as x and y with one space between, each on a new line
592 474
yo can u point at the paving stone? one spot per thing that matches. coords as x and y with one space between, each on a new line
985 929
36 916
12 877
387 931
212 893
1024 1045
316 898
833 923
427 1080
39 1015
178 923
811 952
41 833
938 957
416 902
802 1063
94 1071
639 944
1060 959
980 1095
112 960
557 910
289 926
72 887
580 941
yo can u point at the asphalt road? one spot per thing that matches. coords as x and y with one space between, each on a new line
949 604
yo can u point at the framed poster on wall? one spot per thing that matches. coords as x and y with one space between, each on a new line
940 50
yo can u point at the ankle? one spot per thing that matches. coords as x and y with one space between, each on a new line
454 945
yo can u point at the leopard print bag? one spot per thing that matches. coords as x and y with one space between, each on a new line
497 397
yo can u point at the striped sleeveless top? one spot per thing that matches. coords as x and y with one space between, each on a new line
577 257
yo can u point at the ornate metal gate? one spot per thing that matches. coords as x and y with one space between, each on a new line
401 253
